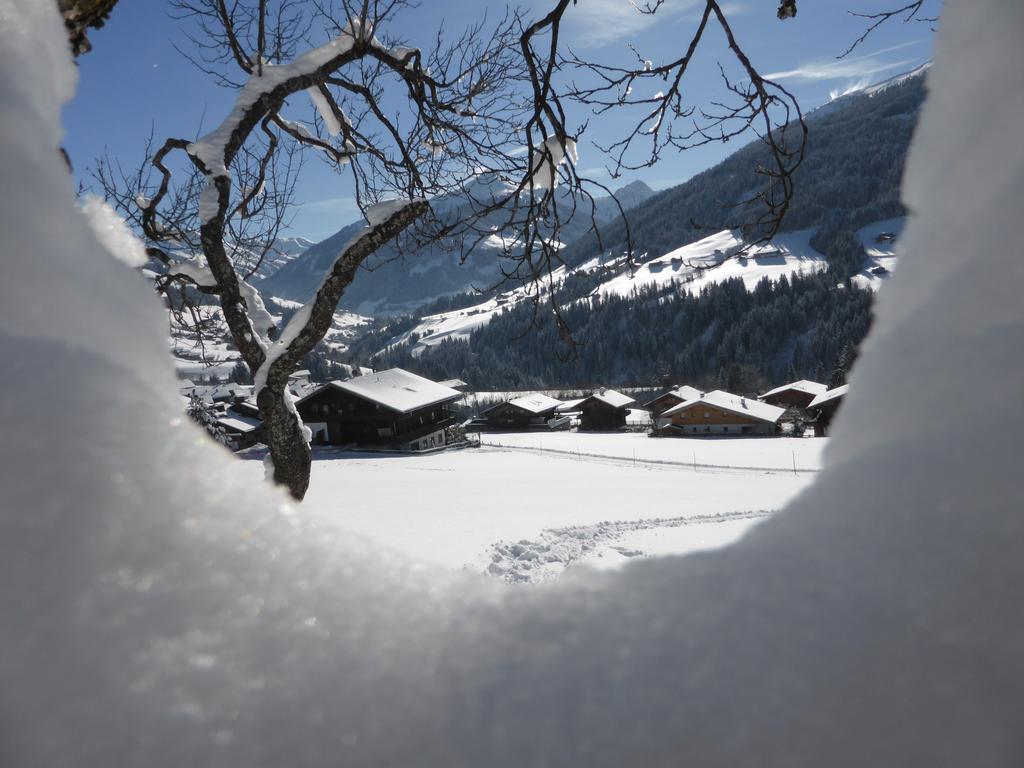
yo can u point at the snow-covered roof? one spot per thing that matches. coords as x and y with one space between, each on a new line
683 392
727 401
398 390
612 398
239 423
453 383
535 403
804 385
828 396
570 405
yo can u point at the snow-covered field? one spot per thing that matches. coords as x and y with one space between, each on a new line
526 515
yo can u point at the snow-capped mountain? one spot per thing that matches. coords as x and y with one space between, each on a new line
391 283
284 251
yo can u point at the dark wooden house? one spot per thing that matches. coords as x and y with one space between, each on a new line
824 408
604 410
388 409
797 394
522 414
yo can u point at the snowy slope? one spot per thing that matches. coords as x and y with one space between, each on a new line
690 268
394 282
714 260
881 251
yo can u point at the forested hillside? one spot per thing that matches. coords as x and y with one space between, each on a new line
850 177
725 337
801 326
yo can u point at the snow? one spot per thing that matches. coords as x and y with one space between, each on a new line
535 403
113 233
194 269
684 392
209 149
718 454
380 212
727 401
262 321
239 423
441 509
331 122
612 398
550 155
162 608
209 201
688 268
830 395
607 545
804 385
879 254
714 260
398 390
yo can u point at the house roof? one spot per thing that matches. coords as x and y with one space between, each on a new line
397 389
683 392
570 405
804 385
726 401
239 423
535 403
830 395
453 383
612 398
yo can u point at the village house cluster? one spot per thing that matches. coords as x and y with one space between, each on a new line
397 410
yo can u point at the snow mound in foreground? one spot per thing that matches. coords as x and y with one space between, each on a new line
158 610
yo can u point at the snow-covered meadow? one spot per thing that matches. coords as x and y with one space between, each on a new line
463 509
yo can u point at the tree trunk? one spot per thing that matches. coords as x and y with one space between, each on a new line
283 434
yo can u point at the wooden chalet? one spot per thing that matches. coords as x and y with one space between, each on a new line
796 394
604 410
722 413
824 408
391 409
526 413
666 400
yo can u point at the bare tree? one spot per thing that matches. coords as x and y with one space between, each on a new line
913 11
751 105
408 123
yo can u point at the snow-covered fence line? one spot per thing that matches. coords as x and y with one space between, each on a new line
633 460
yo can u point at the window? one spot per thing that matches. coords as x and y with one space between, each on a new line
707 414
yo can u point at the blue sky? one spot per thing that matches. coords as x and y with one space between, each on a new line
134 80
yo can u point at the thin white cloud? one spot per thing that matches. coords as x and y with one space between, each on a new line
599 22
853 68
331 205
729 9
